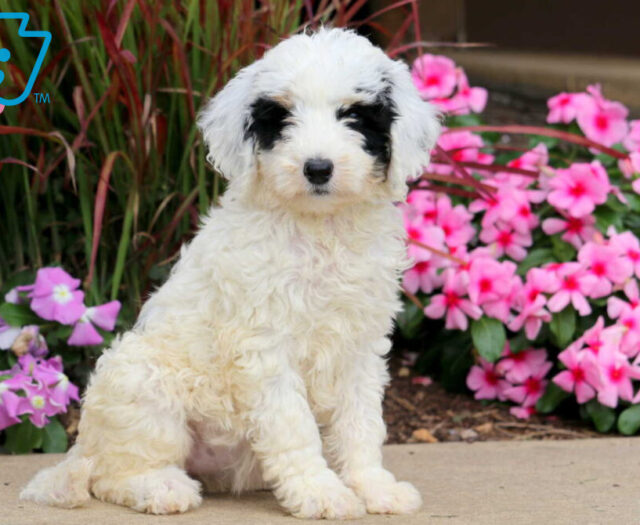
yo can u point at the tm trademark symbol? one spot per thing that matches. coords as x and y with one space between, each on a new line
42 98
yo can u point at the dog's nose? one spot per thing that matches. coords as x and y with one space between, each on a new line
318 171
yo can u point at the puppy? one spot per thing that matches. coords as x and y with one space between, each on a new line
260 362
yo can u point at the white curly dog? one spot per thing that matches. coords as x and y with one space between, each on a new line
260 363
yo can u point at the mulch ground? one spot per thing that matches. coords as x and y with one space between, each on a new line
429 414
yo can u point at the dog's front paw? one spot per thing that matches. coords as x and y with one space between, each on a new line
382 494
321 497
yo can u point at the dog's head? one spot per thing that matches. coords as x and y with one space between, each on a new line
321 121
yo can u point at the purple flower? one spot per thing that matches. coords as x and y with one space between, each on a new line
30 341
8 334
11 406
103 316
55 296
40 405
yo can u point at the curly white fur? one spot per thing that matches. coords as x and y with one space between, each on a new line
260 362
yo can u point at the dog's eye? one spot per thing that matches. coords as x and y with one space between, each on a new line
351 113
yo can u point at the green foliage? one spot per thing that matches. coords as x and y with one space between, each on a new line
54 437
563 326
409 321
552 397
629 420
489 337
23 438
603 417
18 314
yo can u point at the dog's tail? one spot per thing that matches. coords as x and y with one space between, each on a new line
64 485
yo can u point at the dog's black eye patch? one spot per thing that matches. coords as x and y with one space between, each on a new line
373 121
268 119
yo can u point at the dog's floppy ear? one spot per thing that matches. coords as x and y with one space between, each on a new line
223 123
413 133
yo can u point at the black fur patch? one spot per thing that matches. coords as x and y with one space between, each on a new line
373 121
268 119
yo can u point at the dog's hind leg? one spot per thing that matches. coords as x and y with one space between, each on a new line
134 429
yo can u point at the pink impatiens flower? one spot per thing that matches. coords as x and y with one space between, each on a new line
605 265
452 303
531 389
577 230
574 284
602 120
486 382
579 367
103 316
434 76
616 374
455 222
517 366
55 296
627 245
423 276
489 280
579 188
565 107
503 239
462 146
632 141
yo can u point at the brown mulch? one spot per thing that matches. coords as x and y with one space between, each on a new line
415 413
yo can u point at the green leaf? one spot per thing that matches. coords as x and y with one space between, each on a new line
634 201
23 438
563 251
455 364
519 343
409 320
552 397
463 120
603 417
563 326
488 337
629 420
18 314
535 259
606 217
54 439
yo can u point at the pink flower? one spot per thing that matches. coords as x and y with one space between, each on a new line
522 412
486 382
434 76
504 239
631 166
422 203
423 276
602 120
532 315
55 296
40 406
579 367
103 316
564 107
431 236
489 280
466 98
455 222
451 302
532 388
574 284
632 140
579 188
605 265
628 246
616 306
11 406
462 146
577 230
520 365
616 374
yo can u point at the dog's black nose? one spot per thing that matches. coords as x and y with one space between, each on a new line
318 171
